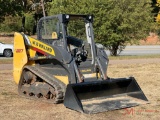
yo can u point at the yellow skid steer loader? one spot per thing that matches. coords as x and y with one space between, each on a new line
61 67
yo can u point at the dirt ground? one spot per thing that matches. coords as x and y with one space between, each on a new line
147 74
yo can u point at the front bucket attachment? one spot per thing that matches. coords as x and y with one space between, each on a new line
100 96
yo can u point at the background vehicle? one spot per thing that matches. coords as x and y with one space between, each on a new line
6 49
58 67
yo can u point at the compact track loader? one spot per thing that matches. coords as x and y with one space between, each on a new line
59 67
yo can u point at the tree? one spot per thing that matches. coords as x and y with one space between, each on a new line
31 13
158 15
116 21
129 21
28 12
38 9
9 8
155 8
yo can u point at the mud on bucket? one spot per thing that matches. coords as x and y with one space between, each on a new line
100 96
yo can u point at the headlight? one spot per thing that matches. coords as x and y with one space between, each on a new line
67 16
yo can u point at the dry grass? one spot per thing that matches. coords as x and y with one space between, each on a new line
153 39
8 40
133 57
6 61
13 106
140 57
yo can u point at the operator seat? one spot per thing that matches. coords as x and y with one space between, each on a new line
56 41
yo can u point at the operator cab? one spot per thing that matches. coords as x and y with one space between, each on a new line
60 31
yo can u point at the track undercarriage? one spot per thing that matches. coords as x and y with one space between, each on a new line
39 86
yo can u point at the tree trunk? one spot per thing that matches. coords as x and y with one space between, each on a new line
113 49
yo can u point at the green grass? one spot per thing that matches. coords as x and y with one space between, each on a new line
133 57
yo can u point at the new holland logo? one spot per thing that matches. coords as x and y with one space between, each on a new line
42 46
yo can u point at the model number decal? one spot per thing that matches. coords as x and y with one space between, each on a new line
19 50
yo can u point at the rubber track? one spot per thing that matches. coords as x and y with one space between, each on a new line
55 83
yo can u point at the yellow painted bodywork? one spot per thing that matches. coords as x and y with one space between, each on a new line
19 56
22 54
31 52
92 75
86 70
64 79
